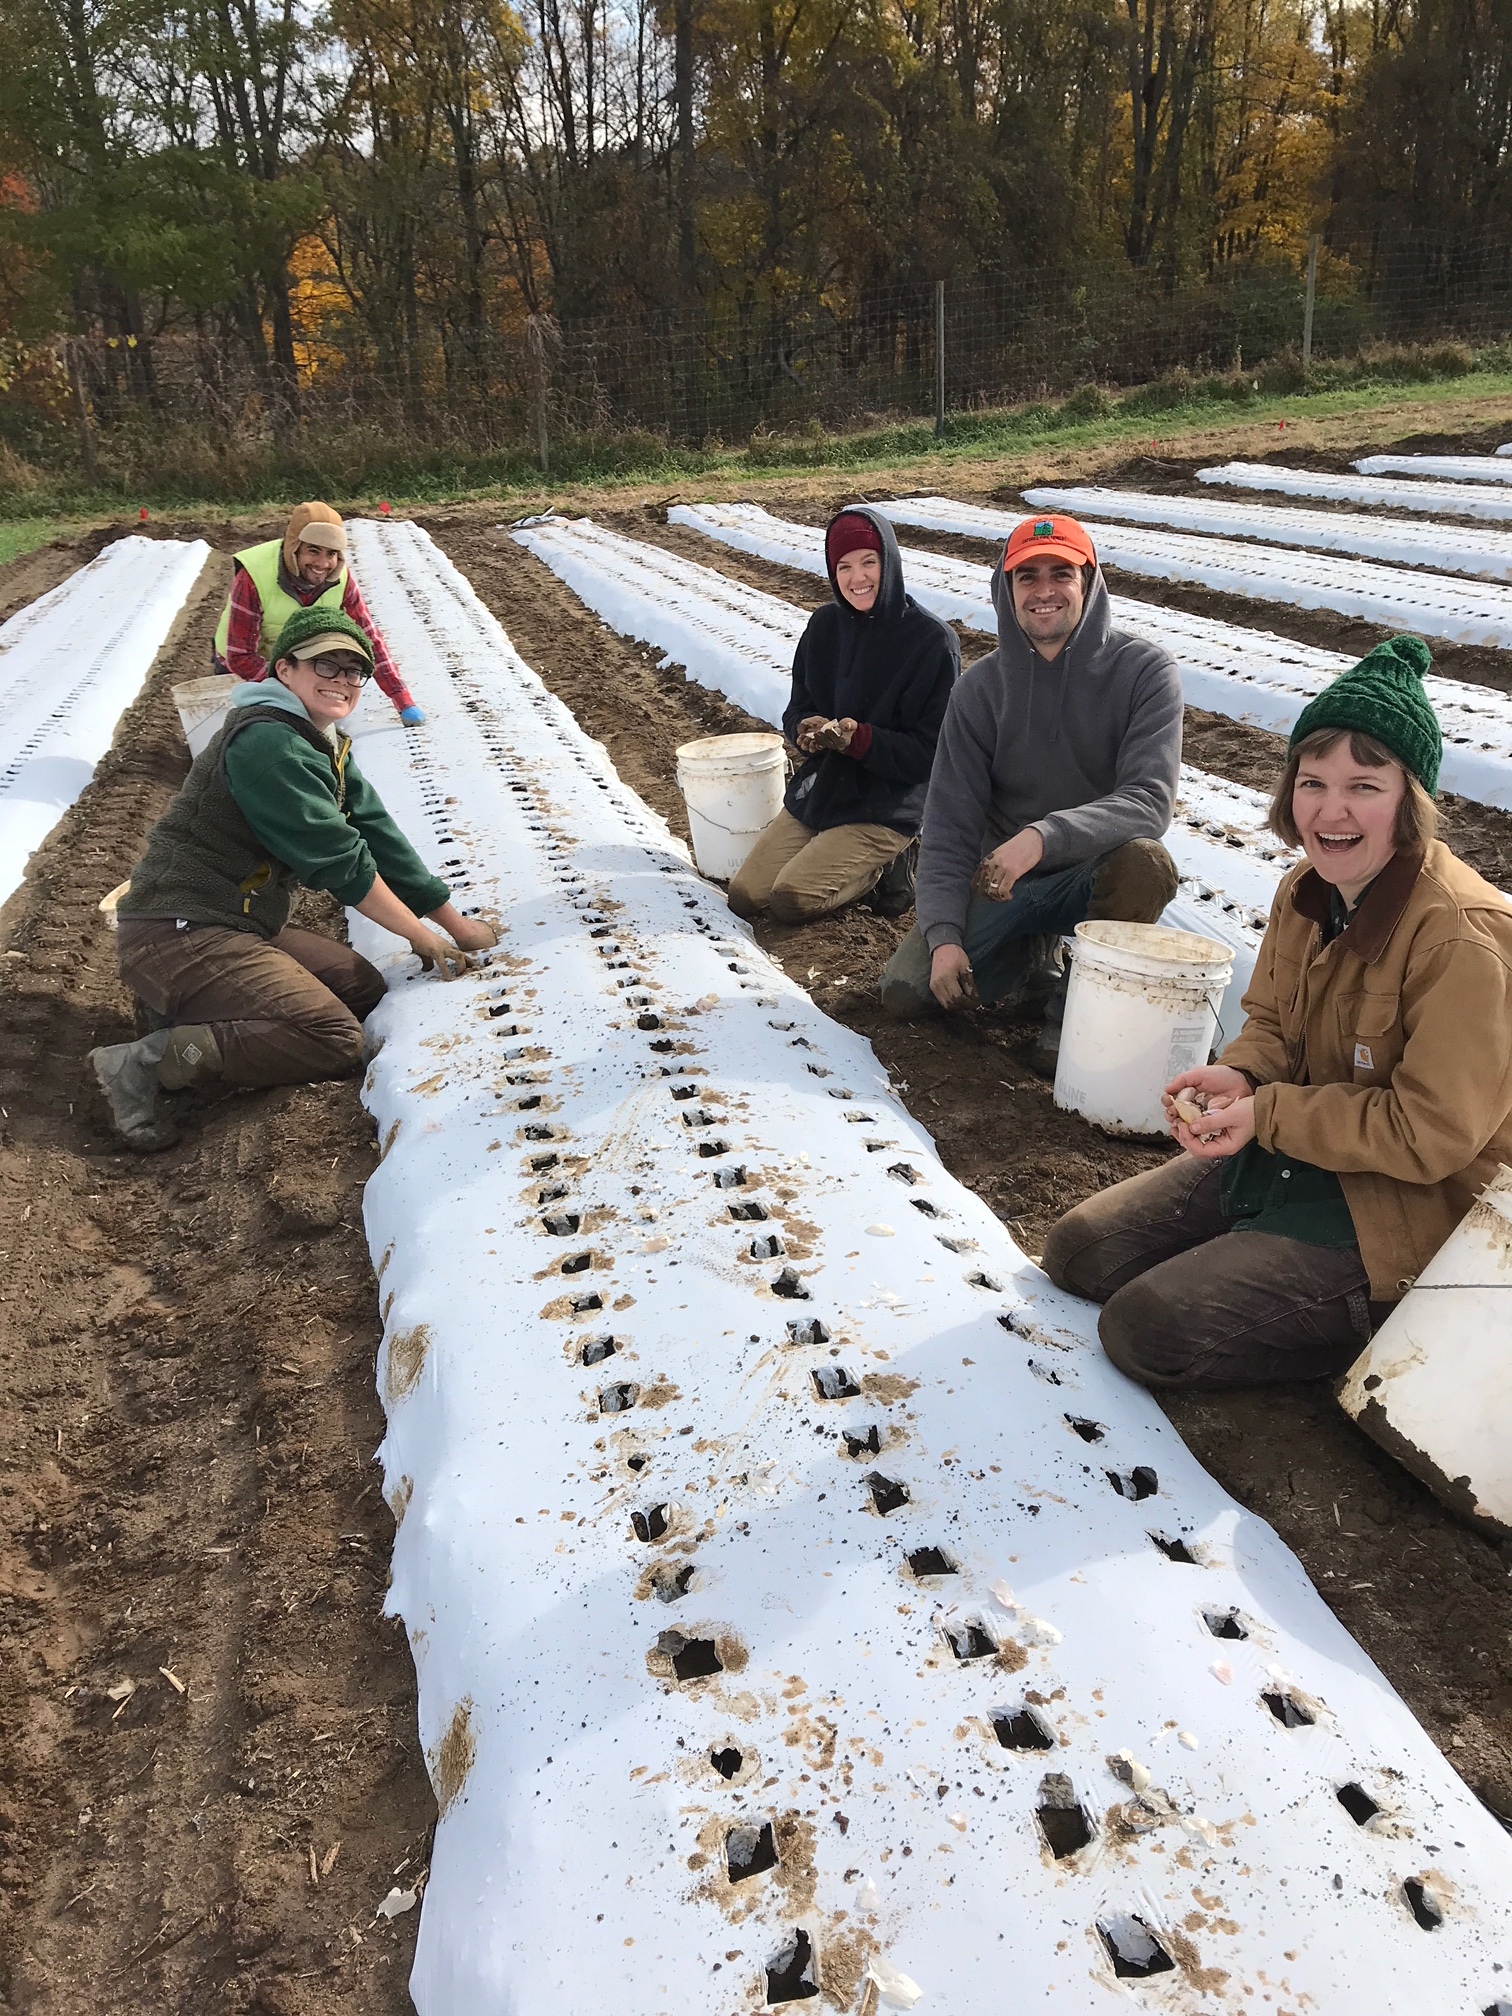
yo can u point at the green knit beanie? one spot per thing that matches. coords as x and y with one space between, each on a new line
1383 696
307 624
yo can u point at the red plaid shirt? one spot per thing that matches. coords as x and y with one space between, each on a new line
244 634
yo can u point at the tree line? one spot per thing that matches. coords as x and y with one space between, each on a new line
425 197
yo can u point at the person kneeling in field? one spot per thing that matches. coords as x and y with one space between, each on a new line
274 800
305 569
1055 778
871 679
1365 1103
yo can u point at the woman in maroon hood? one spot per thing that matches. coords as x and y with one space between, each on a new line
872 677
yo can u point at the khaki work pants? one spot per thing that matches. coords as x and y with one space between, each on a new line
1189 1302
799 875
285 1010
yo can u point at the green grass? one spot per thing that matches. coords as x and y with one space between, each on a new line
357 475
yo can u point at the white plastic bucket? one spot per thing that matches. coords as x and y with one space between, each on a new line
1142 1006
107 904
1434 1385
202 705
732 786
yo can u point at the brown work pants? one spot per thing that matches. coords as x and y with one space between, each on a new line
284 1010
1188 1302
799 875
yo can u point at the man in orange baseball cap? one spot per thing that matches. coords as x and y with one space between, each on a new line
1053 782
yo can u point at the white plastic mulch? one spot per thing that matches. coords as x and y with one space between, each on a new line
1247 675
1456 549
71 663
1463 500
1463 612
740 641
1452 468
803 1608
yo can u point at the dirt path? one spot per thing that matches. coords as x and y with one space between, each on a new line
1430 1601
186 1349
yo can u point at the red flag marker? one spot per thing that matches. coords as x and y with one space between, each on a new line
383 507
141 514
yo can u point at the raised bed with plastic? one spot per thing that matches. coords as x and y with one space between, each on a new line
71 663
1452 468
1462 500
1248 675
1464 612
1456 549
802 1606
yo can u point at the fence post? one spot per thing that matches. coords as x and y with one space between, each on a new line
939 359
535 337
81 413
1307 313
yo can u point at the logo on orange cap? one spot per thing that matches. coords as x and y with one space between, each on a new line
1049 539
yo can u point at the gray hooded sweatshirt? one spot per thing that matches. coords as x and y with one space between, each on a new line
1084 747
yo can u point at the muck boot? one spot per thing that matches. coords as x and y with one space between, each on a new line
1045 1055
128 1076
893 891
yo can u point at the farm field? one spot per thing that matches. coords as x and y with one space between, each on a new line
190 1341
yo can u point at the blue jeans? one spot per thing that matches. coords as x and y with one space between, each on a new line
999 938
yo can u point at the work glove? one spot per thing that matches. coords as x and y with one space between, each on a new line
412 715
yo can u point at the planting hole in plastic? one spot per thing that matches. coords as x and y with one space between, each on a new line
1089 1431
806 1330
789 1286
620 1398
1062 1819
833 1382
1175 1550
1133 1948
767 1247
750 1848
539 1164
904 1172
1224 1623
577 1263
1287 1709
551 1193
732 1178
790 1977
1357 1803
862 1442
1022 1730
752 1212
887 1494
692 1658
671 1583
653 1524
1140 1482
561 1224
931 1561
970 1640
709 1148
1421 1905
923 1204
584 1305
726 1761
596 1350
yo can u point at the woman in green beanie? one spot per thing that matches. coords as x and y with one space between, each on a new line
276 799
1363 1106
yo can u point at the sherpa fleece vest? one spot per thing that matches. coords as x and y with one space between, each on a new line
203 861
262 564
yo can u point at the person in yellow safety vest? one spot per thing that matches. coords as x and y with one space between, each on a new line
305 569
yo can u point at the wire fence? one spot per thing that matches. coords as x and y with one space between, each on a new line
772 369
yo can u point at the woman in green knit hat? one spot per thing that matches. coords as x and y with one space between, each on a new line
276 799
1364 1105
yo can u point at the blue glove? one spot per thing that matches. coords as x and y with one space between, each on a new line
412 716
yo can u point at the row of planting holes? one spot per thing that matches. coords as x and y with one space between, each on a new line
1133 1948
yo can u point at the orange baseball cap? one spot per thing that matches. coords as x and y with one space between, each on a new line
1049 539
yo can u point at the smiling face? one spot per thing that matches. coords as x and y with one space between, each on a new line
1048 599
316 566
858 576
1345 813
330 685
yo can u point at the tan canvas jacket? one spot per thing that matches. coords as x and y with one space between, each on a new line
1387 1055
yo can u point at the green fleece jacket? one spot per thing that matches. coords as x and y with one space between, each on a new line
273 802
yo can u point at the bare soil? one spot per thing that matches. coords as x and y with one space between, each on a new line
187 1345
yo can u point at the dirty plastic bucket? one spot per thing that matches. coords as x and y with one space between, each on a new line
202 705
1434 1385
732 786
1142 1007
107 904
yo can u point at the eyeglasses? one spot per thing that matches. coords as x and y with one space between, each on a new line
339 668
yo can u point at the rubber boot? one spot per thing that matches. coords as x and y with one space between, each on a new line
191 1058
893 891
127 1074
